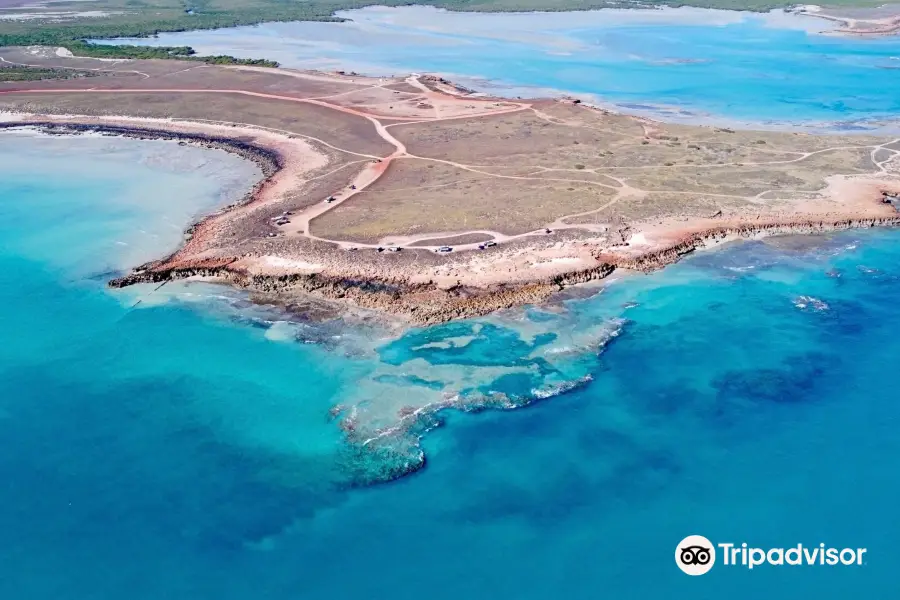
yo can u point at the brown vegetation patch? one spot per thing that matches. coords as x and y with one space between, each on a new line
403 88
466 238
664 205
417 197
337 128
505 140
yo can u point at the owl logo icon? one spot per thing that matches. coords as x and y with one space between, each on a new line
695 555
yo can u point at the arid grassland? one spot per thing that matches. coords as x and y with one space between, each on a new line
372 177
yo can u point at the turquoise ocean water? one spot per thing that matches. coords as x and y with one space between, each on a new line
193 446
183 449
685 64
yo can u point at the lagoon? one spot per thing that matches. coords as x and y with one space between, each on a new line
691 65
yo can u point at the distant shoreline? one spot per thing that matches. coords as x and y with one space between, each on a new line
137 25
856 26
724 109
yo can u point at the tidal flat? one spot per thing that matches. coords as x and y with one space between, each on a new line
687 64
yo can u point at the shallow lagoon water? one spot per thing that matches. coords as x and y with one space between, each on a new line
176 451
683 64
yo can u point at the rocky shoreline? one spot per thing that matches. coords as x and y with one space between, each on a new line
691 242
404 289
419 303
427 303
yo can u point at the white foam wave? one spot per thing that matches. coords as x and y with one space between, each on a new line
560 388
282 331
810 302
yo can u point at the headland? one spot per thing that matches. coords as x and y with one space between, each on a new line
416 197
856 21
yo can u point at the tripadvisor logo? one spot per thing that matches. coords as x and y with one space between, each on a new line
696 555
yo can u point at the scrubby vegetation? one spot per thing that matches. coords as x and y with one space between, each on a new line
17 73
137 18
82 48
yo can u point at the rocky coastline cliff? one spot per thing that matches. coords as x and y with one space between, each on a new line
404 290
429 303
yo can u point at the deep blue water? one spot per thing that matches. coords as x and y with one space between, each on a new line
685 64
184 450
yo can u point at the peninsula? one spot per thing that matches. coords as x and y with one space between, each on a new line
413 196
